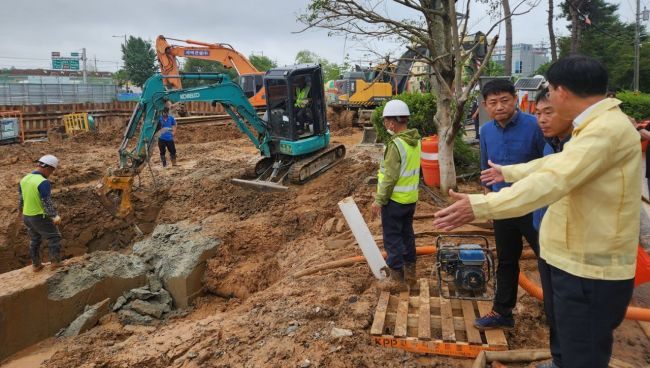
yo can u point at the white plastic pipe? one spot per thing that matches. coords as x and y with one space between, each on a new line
364 237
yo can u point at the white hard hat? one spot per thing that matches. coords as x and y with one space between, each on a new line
49 160
396 108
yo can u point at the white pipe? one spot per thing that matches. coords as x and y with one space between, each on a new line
364 237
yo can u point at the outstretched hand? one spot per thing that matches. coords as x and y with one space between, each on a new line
492 175
458 214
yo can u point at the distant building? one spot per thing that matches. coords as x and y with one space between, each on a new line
420 78
526 59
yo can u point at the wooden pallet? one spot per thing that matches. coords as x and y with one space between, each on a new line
422 322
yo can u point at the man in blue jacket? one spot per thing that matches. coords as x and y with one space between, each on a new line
512 137
166 138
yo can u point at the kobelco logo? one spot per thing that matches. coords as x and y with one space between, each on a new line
187 96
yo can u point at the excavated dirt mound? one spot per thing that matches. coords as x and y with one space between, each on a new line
257 314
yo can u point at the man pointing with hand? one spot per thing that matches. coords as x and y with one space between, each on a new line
589 235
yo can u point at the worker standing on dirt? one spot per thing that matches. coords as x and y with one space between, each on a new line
590 232
397 195
511 137
38 212
166 138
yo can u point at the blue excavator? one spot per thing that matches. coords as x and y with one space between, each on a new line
293 139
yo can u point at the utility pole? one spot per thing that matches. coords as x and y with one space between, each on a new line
637 50
83 58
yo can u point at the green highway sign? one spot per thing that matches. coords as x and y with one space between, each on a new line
65 63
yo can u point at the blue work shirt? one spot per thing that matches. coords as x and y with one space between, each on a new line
553 145
519 142
168 123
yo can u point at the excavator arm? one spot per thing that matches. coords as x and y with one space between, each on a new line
224 53
144 122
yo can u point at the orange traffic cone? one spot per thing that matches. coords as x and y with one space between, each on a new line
642 267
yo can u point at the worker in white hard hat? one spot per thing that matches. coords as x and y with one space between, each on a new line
38 212
397 195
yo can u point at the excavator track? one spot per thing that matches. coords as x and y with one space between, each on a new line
312 166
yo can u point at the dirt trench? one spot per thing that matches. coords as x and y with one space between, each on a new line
256 313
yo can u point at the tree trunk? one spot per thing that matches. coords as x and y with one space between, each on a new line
551 32
445 141
575 26
507 66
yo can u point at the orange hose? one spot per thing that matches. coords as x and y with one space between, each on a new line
633 313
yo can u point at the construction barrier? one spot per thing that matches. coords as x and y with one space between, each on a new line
11 127
429 161
75 123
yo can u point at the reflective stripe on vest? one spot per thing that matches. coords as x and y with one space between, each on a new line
405 190
32 204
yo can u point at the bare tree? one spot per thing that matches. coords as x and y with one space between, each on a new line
551 32
434 28
507 65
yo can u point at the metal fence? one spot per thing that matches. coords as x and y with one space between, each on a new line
42 93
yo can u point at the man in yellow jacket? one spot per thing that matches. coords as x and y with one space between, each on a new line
397 195
589 234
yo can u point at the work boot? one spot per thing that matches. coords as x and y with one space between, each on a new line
409 275
37 267
494 320
173 162
55 265
394 282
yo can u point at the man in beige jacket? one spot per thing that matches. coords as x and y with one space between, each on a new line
589 235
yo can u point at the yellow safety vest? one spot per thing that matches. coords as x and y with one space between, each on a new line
32 204
406 188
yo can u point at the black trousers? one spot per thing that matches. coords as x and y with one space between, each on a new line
163 146
582 315
508 235
41 227
399 239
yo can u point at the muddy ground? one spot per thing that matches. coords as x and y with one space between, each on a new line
256 313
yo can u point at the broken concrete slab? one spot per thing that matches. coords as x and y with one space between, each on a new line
142 293
150 309
39 305
87 319
177 253
119 303
128 316
155 283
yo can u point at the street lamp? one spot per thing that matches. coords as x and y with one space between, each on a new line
119 36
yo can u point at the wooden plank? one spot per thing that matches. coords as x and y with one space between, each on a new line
424 320
414 321
448 332
380 314
402 314
473 335
494 337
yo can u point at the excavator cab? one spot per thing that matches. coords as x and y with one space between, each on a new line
295 102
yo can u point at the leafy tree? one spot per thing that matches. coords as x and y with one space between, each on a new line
611 41
261 62
121 77
139 60
330 70
205 66
543 68
494 69
432 24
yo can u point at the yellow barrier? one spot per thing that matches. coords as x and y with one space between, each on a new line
75 123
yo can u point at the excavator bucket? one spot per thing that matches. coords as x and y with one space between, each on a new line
369 135
113 189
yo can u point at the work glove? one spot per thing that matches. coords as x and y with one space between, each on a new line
56 220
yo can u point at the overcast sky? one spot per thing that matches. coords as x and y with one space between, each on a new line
32 29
